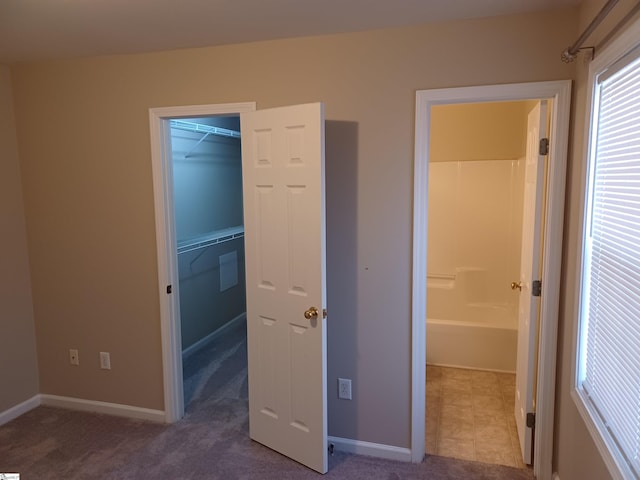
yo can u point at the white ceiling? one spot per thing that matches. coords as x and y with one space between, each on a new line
50 29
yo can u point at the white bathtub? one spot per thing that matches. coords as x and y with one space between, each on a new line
479 335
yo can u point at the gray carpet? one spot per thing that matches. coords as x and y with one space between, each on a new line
210 442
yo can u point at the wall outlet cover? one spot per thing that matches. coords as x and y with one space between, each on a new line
105 360
344 388
74 358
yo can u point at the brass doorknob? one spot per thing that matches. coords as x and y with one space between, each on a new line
516 286
312 313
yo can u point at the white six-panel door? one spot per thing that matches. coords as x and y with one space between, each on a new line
528 308
284 220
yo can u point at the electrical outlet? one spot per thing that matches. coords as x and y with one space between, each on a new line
105 360
344 388
74 359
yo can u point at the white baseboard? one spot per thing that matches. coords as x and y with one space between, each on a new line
203 342
21 408
359 447
103 407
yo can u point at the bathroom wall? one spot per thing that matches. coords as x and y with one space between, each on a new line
478 131
476 179
208 198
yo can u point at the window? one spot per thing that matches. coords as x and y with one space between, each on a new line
608 373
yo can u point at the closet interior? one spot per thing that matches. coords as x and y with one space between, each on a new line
207 180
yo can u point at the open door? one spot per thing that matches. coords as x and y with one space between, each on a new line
284 205
529 302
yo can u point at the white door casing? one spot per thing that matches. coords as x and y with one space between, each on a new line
528 304
560 93
283 190
166 244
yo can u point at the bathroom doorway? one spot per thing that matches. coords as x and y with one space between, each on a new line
559 93
475 212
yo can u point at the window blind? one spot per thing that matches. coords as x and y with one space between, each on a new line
610 349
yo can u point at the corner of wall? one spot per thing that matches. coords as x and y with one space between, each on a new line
18 355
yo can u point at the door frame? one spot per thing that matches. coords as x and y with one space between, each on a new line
166 243
560 93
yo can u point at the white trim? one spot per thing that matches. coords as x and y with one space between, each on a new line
619 47
419 302
551 268
117 409
378 450
205 341
19 409
560 92
166 246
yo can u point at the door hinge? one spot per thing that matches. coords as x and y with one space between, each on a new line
169 289
544 146
531 420
536 288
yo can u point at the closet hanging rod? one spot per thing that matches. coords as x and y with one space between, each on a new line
206 129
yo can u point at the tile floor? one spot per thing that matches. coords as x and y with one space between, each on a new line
470 416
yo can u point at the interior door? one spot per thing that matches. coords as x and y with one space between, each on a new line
284 205
528 307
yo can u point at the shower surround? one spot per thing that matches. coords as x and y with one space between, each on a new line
475 224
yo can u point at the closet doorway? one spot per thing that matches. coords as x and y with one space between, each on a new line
207 198
200 244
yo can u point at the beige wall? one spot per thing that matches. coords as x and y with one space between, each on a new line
478 131
84 146
18 361
576 456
